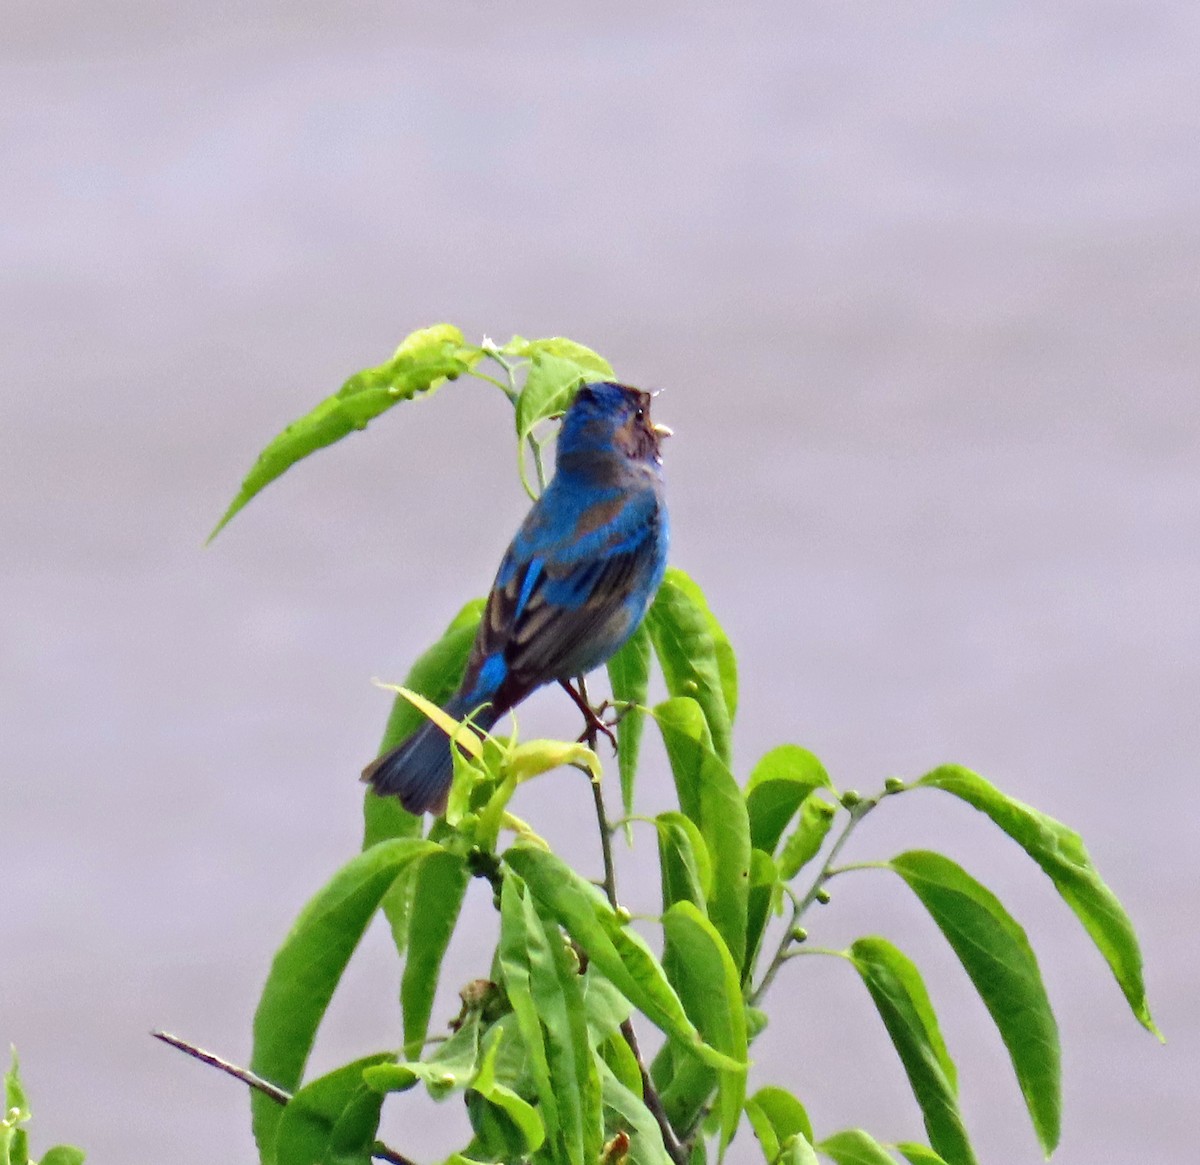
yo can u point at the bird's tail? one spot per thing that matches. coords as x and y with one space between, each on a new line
420 770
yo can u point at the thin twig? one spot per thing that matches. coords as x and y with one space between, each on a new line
653 1101
590 733
536 447
800 905
378 1150
610 874
513 393
504 388
509 389
277 1094
649 1093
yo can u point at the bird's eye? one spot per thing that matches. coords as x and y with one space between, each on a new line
641 414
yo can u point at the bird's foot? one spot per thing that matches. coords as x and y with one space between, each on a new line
592 717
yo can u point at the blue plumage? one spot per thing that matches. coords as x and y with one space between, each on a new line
572 588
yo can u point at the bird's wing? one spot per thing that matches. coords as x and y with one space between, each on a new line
552 615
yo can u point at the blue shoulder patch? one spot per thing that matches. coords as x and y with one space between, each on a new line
531 577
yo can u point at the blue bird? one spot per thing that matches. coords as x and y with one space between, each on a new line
572 588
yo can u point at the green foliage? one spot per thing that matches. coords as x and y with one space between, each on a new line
692 653
545 1054
710 797
332 1118
629 678
994 951
1061 854
422 362
308 967
904 1006
14 1141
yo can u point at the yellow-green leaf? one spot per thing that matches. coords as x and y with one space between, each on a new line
1061 854
424 360
903 1004
996 954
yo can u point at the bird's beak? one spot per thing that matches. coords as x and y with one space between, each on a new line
662 431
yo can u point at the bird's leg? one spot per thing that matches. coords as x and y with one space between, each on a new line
593 722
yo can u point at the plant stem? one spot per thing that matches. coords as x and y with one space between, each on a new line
510 388
378 1150
277 1094
800 905
504 388
536 446
610 873
511 391
650 1096
653 1101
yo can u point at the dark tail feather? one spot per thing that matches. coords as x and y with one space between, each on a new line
420 770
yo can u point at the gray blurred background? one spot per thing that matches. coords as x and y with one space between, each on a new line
922 286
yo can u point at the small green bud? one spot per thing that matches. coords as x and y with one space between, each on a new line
799 934
850 798
623 915
822 896
894 785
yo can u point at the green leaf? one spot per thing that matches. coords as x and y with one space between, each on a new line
764 883
546 992
816 818
694 663
917 1154
586 359
1061 854
726 659
515 937
519 1111
629 678
617 1055
777 1117
855 1147
450 1068
777 787
685 866
997 956
557 368
558 996
904 1006
709 985
14 1145
425 359
436 676
14 1092
607 1009
332 1120
624 1110
439 884
307 968
63 1155
619 953
497 1136
798 1151
710 796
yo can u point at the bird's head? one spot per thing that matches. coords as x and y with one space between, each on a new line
606 418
